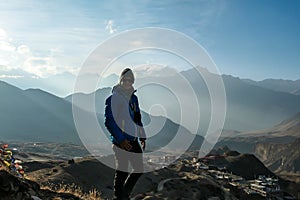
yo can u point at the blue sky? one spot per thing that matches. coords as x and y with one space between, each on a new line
254 39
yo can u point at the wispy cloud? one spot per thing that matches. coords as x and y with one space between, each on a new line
2 34
154 70
21 57
48 39
23 50
40 66
10 76
6 48
110 26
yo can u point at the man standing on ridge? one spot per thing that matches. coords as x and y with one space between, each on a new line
123 121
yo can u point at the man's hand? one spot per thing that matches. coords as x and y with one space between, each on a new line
143 143
125 145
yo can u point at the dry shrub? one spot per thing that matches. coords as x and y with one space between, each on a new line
74 190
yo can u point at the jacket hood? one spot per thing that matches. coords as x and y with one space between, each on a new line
121 90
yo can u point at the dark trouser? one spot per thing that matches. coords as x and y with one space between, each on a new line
124 181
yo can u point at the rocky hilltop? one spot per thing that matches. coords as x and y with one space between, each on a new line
211 177
12 187
222 174
276 147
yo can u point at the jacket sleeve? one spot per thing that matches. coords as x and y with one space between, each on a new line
111 124
138 121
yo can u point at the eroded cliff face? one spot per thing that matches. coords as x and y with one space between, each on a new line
280 157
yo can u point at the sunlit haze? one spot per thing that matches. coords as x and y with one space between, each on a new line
43 44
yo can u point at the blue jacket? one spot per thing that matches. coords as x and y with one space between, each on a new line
122 116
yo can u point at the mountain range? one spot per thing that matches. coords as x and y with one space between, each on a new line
252 107
34 114
287 128
38 116
284 132
279 85
249 106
